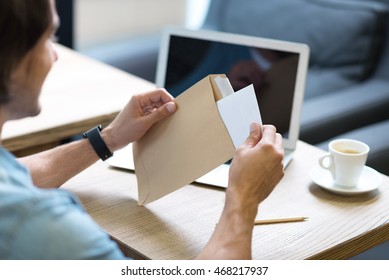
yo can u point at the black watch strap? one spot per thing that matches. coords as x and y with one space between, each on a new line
98 143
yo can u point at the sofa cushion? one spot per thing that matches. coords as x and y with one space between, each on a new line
345 36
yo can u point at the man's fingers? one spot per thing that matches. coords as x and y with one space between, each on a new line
268 134
279 142
159 96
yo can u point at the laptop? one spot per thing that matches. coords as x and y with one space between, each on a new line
277 69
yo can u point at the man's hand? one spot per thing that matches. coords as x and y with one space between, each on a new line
257 166
140 113
254 172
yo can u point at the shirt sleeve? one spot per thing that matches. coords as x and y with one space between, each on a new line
56 227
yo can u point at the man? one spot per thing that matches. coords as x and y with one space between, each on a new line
38 221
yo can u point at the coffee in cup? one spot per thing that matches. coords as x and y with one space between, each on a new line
345 160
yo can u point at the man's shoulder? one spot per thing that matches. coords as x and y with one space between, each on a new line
20 205
20 197
51 225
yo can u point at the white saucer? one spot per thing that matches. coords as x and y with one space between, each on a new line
369 181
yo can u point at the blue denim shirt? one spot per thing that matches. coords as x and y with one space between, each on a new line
45 224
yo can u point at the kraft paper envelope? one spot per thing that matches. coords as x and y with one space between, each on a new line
178 150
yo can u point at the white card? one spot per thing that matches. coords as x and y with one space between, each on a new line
238 111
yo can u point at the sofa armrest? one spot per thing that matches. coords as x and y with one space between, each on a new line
137 56
326 116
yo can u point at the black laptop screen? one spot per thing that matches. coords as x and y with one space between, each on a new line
273 73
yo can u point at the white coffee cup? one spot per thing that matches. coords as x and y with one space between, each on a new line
345 161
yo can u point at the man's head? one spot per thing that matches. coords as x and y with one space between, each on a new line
26 53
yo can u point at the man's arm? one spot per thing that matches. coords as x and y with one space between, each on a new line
255 170
54 167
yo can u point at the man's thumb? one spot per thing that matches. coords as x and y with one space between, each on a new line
255 135
163 112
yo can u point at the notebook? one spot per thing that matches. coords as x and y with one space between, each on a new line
277 69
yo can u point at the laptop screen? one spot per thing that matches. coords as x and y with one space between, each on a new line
275 68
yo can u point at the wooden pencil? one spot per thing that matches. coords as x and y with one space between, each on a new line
280 220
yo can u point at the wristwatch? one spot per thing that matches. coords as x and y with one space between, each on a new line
97 142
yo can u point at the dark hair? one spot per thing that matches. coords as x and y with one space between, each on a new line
22 23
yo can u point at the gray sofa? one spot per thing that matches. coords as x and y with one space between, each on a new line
349 72
347 90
